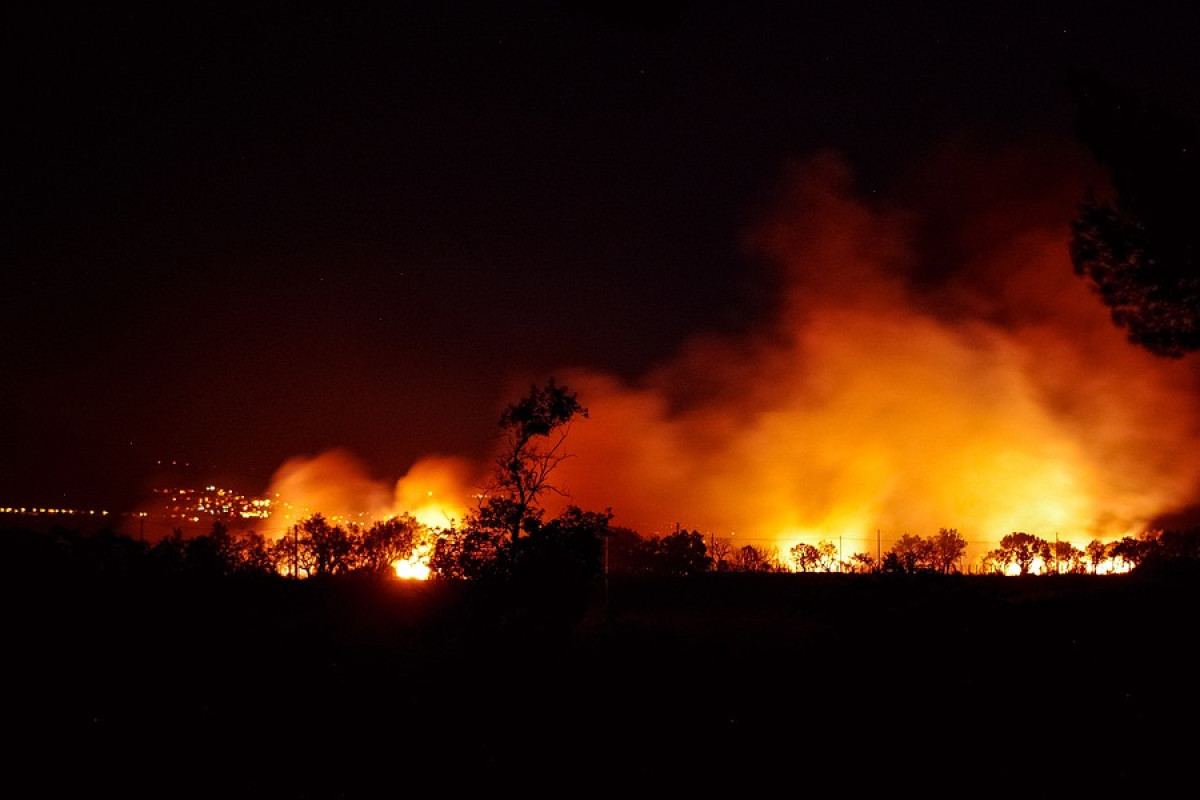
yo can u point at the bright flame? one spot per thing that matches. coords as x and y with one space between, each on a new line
435 491
335 484
989 393
414 568
999 398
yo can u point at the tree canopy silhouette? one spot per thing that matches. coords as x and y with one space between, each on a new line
505 538
533 429
1138 250
1023 549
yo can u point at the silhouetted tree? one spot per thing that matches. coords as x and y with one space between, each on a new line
626 551
331 545
719 550
1141 251
1177 545
993 562
946 550
681 553
534 430
913 553
1129 551
828 554
471 552
862 563
293 553
386 542
1022 549
213 553
1062 556
565 553
804 557
1097 553
749 558
541 583
252 554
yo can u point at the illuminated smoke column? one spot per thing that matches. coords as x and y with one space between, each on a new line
336 484
437 490
883 396
992 397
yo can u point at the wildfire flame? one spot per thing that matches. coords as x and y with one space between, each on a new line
882 397
414 568
338 486
997 398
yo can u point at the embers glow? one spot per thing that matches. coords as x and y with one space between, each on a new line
415 568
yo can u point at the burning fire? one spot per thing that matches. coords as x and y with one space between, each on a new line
415 568
883 397
993 397
338 486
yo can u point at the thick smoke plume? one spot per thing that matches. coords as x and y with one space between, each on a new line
924 367
339 486
987 392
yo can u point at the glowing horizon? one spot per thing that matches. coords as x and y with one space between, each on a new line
995 399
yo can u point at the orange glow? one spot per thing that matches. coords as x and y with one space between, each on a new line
999 399
1039 567
334 484
415 568
435 491
879 398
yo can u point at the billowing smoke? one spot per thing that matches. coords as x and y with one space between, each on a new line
989 392
932 366
339 486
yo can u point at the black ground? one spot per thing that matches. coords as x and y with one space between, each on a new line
734 684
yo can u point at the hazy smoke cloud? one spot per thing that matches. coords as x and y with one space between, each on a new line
437 490
991 394
931 366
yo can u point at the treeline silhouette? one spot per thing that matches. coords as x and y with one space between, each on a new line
566 656
195 662
578 542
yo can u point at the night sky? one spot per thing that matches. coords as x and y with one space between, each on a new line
237 236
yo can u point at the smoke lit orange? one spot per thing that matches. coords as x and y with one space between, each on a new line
878 400
998 398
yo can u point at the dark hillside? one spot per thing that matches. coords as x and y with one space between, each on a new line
354 687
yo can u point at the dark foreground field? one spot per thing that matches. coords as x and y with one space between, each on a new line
748 686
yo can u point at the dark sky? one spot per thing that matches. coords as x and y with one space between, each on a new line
236 236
